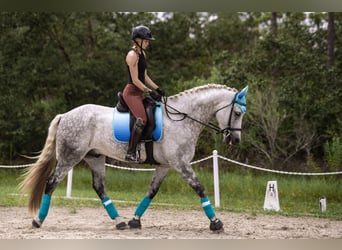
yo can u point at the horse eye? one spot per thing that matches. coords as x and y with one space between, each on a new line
237 113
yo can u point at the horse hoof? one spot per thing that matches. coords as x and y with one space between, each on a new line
216 226
134 223
36 223
121 226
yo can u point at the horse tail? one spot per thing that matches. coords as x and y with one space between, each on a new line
35 178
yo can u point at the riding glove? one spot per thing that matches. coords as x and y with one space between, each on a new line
155 96
160 92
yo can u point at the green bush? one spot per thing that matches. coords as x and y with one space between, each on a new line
333 153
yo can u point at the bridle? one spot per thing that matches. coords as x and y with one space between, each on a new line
226 131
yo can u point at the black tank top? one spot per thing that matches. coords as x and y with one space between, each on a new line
141 69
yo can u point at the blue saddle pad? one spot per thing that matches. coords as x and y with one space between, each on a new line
122 131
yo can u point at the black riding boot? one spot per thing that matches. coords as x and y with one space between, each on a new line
133 141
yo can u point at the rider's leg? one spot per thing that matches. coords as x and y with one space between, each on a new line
134 140
134 100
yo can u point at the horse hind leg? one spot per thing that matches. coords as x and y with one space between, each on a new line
51 185
97 165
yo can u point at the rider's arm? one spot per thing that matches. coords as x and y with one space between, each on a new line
149 81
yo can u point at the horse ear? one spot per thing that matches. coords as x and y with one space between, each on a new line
243 92
240 99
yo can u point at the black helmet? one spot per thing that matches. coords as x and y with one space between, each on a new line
142 32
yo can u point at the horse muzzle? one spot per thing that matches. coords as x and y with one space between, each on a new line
231 138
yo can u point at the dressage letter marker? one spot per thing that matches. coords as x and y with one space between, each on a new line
271 197
323 204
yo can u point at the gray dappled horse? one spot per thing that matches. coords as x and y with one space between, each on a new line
85 133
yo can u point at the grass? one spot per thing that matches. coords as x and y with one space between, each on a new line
240 191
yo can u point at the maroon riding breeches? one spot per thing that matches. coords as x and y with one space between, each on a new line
133 97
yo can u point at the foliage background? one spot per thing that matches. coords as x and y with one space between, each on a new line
53 62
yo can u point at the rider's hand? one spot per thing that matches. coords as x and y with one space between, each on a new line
155 96
160 92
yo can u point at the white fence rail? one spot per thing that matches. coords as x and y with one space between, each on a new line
215 156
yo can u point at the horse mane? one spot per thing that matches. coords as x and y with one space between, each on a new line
202 88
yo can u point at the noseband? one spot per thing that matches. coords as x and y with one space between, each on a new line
226 131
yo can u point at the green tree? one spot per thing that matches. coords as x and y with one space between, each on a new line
53 62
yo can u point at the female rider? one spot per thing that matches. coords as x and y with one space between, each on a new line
139 85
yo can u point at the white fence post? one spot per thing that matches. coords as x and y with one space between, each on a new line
69 184
216 179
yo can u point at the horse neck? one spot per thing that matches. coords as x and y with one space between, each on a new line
202 103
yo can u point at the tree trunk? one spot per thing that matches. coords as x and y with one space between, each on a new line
331 38
91 38
274 24
274 29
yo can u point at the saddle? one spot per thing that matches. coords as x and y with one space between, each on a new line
124 120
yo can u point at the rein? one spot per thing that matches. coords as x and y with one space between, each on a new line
210 125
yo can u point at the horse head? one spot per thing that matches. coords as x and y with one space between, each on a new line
230 117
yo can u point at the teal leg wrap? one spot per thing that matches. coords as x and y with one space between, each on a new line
110 208
44 207
207 207
143 206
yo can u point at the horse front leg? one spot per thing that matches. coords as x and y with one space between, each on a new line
157 179
189 176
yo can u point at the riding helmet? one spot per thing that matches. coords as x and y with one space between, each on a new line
142 32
